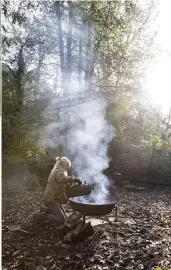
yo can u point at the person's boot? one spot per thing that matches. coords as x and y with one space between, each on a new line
39 217
54 219
61 225
43 209
65 227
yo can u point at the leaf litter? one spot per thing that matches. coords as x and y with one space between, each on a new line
139 239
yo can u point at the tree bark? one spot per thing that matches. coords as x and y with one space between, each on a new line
57 6
80 59
89 57
69 43
90 78
19 76
87 61
36 89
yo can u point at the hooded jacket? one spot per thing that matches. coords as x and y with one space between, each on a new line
56 187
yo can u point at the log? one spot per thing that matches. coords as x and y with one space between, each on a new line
73 218
70 235
87 231
78 229
84 227
81 232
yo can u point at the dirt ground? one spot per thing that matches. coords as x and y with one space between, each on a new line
140 239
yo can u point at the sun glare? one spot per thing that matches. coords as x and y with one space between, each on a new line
158 82
158 76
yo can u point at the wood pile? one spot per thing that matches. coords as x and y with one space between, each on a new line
79 230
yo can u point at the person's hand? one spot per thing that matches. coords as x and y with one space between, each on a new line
78 181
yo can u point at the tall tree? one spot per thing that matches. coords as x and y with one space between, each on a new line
57 6
69 43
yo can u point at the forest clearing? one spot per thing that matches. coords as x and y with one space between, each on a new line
86 135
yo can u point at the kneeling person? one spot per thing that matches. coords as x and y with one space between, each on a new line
55 193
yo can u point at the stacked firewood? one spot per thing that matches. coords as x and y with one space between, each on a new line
79 230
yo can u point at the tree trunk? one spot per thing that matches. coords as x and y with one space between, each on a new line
90 88
36 88
80 59
57 6
19 76
69 43
88 58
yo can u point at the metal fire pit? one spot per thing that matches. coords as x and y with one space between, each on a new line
93 209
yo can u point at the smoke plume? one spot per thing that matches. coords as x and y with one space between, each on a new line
85 134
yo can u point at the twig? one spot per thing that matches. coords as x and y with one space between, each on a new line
25 231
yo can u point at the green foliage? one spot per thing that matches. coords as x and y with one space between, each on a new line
118 49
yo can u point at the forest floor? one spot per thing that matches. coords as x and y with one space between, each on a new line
140 239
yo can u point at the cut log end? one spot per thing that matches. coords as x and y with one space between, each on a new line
80 233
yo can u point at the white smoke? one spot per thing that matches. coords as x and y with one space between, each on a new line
85 134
